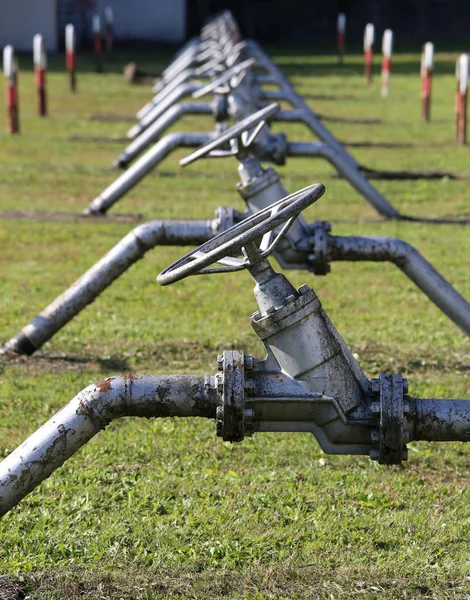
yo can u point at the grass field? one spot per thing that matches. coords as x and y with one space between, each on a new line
165 509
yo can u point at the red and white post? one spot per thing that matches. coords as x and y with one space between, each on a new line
109 23
70 56
387 43
461 72
341 26
427 65
40 66
10 71
97 47
369 34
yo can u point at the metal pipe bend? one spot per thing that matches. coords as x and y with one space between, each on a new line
91 411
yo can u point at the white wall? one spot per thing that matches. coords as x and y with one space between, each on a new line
20 20
153 20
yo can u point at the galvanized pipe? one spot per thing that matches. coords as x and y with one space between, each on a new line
183 90
410 261
144 165
348 170
90 412
440 420
153 132
102 274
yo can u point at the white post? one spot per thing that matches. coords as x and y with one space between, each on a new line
109 22
341 26
461 72
70 57
40 65
96 27
369 34
10 69
387 43
427 65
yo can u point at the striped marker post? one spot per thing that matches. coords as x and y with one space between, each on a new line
40 66
461 72
368 52
427 65
97 47
70 56
10 70
341 26
109 22
387 43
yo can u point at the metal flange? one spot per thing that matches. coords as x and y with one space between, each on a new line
391 437
231 413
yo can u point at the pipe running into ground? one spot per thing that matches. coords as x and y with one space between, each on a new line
144 165
102 274
154 131
349 171
90 412
180 92
410 261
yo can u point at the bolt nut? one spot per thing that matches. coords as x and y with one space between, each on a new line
291 298
271 310
374 385
248 362
375 408
249 385
406 408
374 436
256 316
406 436
220 362
405 386
374 454
249 414
303 289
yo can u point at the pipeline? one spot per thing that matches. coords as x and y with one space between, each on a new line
102 274
410 261
144 165
154 131
91 411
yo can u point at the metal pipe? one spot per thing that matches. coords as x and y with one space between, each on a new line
184 90
153 132
349 171
440 420
102 274
144 165
311 118
410 261
90 412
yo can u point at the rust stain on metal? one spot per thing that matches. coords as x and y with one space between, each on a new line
104 385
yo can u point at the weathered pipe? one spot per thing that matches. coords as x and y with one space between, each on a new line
183 90
90 412
349 172
102 274
288 93
154 131
410 261
440 420
144 165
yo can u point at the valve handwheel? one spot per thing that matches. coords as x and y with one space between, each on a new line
240 239
239 131
234 71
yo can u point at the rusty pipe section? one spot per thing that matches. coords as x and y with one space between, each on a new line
90 412
154 131
438 420
349 172
102 274
143 166
412 263
157 111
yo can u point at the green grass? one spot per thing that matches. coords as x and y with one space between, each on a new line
160 509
